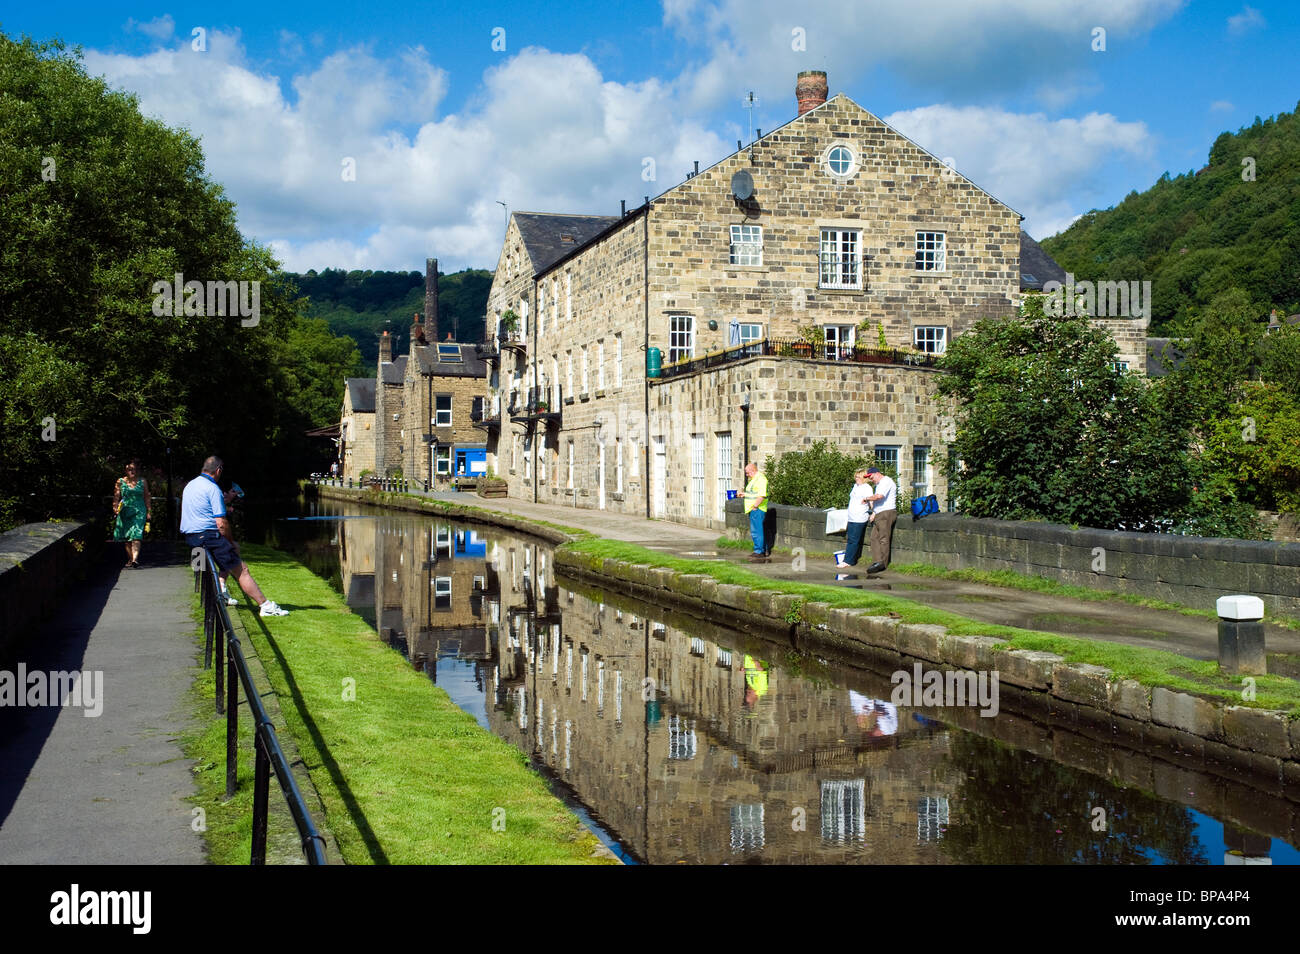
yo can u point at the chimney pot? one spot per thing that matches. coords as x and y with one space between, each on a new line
810 89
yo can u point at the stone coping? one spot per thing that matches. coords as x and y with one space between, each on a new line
395 501
1224 740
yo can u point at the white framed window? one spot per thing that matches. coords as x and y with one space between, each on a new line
750 331
887 458
920 471
840 161
442 460
569 483
514 453
442 593
747 245
930 248
555 302
568 375
932 818
568 296
844 810
618 360
584 369
541 308
523 317
1120 366
725 476
681 738
841 259
697 475
541 462
555 382
681 338
528 458
930 338
839 342
442 415
747 828
600 365
635 470
618 465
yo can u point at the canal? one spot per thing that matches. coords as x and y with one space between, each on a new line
680 742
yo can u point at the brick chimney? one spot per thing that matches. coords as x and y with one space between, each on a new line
431 298
385 348
417 332
810 89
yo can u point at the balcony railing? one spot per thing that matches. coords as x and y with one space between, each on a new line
486 412
542 403
798 348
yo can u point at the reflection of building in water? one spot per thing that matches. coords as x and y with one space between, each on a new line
357 552
692 750
426 584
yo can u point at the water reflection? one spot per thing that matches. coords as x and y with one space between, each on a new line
696 744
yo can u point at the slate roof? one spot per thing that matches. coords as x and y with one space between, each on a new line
362 392
1163 357
543 234
394 372
1036 266
430 360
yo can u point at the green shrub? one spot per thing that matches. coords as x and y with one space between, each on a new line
820 477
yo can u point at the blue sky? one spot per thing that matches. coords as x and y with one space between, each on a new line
440 123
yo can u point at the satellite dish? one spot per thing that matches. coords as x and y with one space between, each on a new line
742 185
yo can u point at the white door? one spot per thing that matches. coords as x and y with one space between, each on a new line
660 477
600 476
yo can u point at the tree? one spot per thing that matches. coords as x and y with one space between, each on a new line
98 205
1048 428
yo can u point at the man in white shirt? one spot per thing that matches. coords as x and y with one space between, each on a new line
885 511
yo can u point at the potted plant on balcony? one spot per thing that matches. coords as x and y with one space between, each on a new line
509 322
811 337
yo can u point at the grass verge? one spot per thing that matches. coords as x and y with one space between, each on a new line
1148 666
406 776
1010 579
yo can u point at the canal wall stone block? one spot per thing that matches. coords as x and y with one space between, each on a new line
922 640
1131 699
1187 713
1131 768
1243 805
1291 785
1027 668
732 595
971 652
1081 753
1082 683
1260 730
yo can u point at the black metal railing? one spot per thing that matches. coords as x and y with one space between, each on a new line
220 641
798 348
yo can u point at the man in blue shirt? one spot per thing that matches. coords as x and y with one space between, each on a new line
204 524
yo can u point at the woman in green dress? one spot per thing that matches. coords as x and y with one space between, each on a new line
131 504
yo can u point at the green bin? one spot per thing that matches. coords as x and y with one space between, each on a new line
654 362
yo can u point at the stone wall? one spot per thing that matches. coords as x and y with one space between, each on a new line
1192 571
893 190
793 404
420 399
38 562
359 445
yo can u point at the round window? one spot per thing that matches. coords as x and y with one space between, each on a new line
840 160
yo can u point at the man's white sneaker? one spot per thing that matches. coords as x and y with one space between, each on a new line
271 608
230 600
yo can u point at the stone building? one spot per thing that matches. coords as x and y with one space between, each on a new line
796 290
357 427
424 403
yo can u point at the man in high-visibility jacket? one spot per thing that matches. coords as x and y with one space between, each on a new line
755 497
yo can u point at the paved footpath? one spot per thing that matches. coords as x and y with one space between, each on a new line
108 789
1109 620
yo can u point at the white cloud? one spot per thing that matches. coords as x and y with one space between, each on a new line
1041 167
545 133
952 49
1221 106
160 28
1248 19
